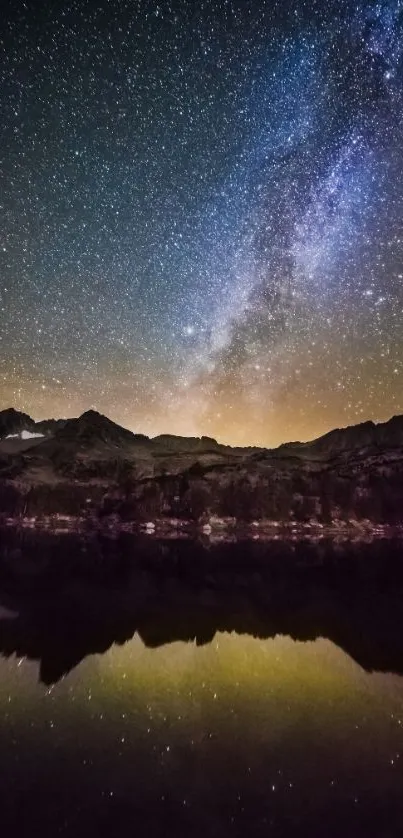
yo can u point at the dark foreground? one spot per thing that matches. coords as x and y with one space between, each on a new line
170 689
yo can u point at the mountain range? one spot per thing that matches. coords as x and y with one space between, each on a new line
92 467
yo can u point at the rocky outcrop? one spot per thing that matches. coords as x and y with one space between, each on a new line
180 444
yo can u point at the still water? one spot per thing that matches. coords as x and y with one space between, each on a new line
140 698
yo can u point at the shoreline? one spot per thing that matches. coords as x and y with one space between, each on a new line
213 529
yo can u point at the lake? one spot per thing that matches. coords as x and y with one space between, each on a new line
177 689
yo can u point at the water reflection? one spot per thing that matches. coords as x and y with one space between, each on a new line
198 699
57 611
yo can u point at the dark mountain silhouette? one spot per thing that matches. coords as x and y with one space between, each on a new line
91 465
169 442
49 426
92 427
13 422
364 435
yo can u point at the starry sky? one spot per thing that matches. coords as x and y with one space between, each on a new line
202 214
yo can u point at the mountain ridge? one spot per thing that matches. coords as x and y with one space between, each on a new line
91 423
93 468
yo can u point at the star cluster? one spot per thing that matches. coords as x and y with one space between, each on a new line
202 214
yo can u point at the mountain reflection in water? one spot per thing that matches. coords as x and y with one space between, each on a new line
72 599
186 690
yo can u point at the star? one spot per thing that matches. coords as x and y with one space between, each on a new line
207 238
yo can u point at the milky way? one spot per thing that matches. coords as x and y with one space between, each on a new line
202 214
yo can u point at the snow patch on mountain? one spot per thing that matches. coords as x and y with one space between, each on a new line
25 435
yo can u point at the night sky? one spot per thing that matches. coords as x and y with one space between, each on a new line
202 214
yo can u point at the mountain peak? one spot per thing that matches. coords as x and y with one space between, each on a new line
13 421
92 427
93 416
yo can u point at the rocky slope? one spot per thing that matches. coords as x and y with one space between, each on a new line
92 467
